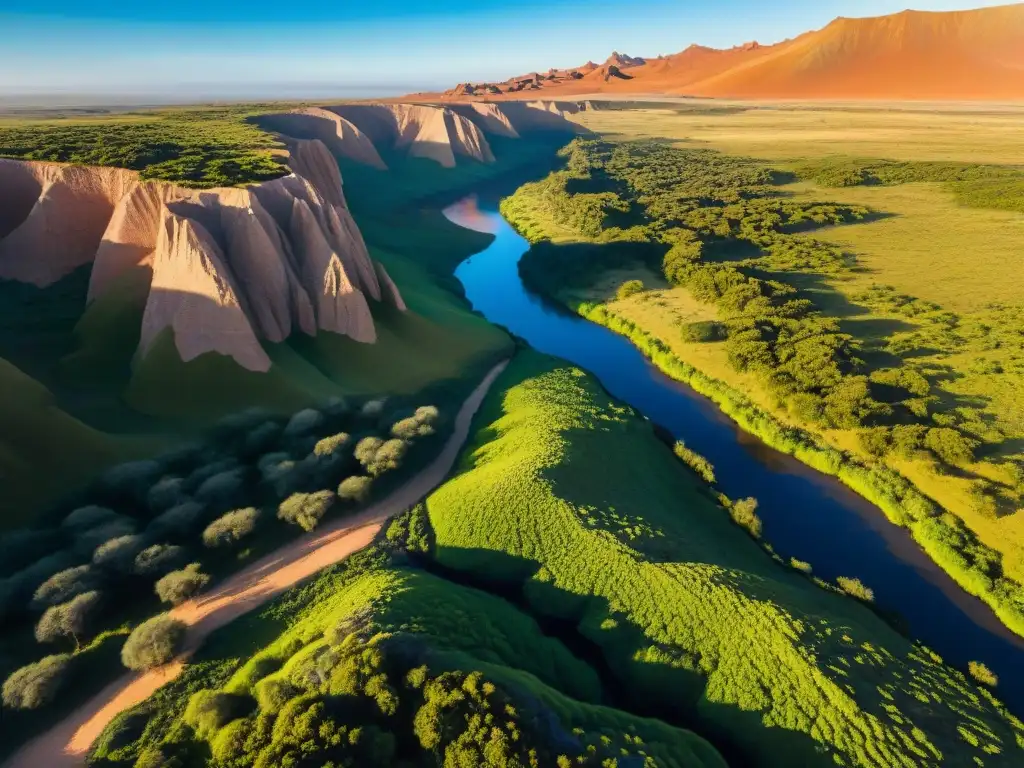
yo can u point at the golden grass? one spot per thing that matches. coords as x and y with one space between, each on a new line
815 131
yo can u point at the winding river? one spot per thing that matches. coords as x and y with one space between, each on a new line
806 514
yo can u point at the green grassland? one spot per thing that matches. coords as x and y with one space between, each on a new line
687 610
816 339
377 663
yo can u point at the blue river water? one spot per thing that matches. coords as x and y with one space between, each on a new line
805 514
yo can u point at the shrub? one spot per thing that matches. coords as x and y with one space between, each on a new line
696 462
178 520
856 588
166 493
153 643
875 441
222 488
71 619
372 408
89 517
154 757
158 559
983 674
629 288
178 586
420 424
86 542
303 422
950 446
703 331
337 407
133 478
262 438
119 554
744 514
306 509
380 456
64 585
800 565
332 445
36 684
214 466
272 693
231 527
209 711
19 548
355 489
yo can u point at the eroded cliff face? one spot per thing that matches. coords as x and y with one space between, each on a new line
227 268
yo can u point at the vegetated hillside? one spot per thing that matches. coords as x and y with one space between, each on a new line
157 308
377 663
965 55
716 227
571 497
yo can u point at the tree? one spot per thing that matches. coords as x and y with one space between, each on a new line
178 586
744 514
153 643
231 527
222 488
70 619
64 585
355 488
332 444
167 492
306 509
380 456
176 521
303 422
420 424
36 684
856 588
983 674
629 288
89 517
158 559
118 554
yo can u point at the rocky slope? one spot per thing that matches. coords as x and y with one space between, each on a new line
955 55
226 268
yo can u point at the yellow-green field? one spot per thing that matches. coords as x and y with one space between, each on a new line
922 242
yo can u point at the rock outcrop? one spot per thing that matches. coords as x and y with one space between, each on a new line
339 135
226 268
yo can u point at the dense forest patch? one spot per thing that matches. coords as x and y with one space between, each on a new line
201 148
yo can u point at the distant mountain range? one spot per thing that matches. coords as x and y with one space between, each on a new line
956 55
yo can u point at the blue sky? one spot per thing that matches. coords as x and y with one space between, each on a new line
259 47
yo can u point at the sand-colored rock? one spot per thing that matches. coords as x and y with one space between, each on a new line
389 289
340 136
194 294
340 306
488 117
221 269
65 224
419 130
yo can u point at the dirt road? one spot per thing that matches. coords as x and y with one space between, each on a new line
66 744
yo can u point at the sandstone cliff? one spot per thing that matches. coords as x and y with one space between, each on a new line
226 268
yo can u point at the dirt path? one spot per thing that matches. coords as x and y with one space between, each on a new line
66 744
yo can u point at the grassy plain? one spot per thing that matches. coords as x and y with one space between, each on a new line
685 608
929 240
374 643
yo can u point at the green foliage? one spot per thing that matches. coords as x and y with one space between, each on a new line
856 588
306 509
158 559
704 331
355 489
420 424
153 643
379 456
331 445
64 585
119 554
705 622
983 674
36 684
178 586
744 514
704 469
411 531
231 527
201 148
629 288
72 619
